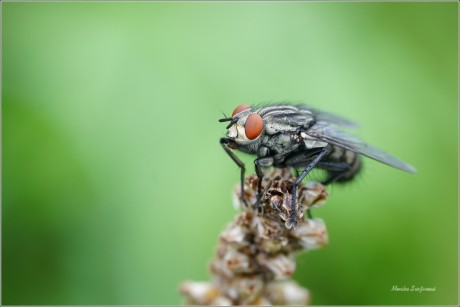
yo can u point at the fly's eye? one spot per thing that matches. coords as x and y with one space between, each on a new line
240 108
253 126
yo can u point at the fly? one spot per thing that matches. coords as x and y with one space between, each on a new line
284 135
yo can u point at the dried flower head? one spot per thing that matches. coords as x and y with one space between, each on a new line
255 258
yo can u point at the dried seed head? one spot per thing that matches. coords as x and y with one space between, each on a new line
312 195
221 301
234 234
255 258
237 262
243 289
261 301
276 198
199 293
312 235
282 266
287 292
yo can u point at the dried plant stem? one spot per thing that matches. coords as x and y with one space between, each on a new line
255 258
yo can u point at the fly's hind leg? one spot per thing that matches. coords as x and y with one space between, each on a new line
336 170
340 171
333 178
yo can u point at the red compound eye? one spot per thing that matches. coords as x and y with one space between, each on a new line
240 108
253 127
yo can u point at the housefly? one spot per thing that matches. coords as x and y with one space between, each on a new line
297 136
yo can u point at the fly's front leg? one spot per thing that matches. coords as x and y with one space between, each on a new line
225 142
292 220
259 163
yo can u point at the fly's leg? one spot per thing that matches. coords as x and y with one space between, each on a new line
309 214
332 178
292 221
336 169
340 167
259 163
224 142
260 175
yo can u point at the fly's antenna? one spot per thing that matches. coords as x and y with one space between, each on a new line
227 119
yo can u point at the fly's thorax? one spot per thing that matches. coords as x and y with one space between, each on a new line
279 145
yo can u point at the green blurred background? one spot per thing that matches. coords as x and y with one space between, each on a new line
115 187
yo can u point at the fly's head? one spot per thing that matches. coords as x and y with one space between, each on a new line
245 128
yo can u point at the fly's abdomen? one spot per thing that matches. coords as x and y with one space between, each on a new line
341 164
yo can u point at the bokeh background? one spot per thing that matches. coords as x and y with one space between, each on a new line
115 187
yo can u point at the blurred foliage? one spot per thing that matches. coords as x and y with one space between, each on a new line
115 187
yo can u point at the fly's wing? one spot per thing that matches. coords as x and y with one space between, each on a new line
329 117
333 135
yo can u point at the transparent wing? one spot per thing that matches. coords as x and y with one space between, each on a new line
331 134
